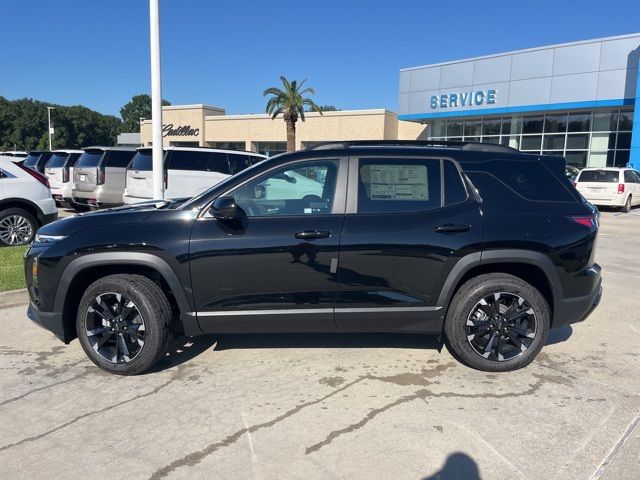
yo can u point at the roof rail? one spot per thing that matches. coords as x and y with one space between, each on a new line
474 146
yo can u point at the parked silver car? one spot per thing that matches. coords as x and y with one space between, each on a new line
99 176
59 171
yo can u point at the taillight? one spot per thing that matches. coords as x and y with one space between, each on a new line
65 174
37 175
589 221
621 188
101 176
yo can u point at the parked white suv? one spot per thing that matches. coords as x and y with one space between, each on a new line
25 203
188 171
59 171
610 187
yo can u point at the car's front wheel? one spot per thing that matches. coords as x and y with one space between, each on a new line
123 323
17 227
497 322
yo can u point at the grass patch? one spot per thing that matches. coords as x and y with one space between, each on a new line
11 268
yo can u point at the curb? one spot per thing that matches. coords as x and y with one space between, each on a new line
14 298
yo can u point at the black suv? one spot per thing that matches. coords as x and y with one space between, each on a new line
480 244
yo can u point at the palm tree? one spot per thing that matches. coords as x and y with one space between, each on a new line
291 103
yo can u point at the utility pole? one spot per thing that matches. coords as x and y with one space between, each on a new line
156 101
50 127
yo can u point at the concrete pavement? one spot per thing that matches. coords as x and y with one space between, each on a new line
329 406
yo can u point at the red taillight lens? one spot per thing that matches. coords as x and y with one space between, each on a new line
589 221
37 175
101 176
621 188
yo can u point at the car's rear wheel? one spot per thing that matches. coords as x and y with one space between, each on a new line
17 227
627 205
497 322
123 323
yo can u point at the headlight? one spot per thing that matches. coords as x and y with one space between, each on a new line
47 239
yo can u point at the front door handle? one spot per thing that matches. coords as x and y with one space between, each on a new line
453 228
312 234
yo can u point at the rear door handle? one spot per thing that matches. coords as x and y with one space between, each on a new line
453 228
312 234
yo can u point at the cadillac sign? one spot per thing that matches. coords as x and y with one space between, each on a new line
464 99
169 130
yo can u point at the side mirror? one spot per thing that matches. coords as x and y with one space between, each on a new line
226 208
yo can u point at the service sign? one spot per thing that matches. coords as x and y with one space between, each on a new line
464 99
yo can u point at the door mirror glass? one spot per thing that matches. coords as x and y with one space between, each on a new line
225 208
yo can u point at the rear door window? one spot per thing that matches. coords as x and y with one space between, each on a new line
57 160
530 179
142 161
238 162
218 162
188 160
599 176
398 185
31 160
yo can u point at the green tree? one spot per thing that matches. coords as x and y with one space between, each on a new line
328 108
138 107
291 103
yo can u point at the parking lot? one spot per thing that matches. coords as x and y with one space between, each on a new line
329 406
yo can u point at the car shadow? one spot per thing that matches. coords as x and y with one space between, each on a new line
183 349
559 335
458 466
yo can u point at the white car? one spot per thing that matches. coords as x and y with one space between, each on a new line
16 155
25 203
188 171
610 187
59 171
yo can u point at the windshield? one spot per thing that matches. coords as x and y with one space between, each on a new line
31 160
142 161
57 160
89 159
599 176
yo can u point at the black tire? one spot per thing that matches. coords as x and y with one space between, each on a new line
627 205
26 223
461 320
154 312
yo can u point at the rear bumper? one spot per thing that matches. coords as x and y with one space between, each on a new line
50 321
617 201
573 310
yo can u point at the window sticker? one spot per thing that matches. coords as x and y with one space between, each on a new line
398 182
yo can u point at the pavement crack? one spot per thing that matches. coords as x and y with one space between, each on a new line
177 375
616 448
196 457
39 389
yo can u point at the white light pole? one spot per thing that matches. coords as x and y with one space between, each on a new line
50 127
156 101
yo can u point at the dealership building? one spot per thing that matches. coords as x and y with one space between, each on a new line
575 99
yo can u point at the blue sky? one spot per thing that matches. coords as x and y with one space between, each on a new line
225 53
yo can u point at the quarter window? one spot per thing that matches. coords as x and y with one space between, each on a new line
119 158
397 186
303 189
454 191
238 162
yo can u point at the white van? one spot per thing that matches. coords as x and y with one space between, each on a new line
188 171
59 171
610 187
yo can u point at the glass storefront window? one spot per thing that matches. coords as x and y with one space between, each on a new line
622 158
491 127
625 121
513 142
439 128
577 159
554 142
511 125
271 148
624 140
491 139
555 123
604 121
579 122
454 129
578 141
531 142
598 159
532 123
471 139
472 128
602 141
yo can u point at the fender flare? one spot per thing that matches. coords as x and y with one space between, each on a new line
24 203
154 262
466 263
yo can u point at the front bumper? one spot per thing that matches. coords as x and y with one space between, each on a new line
51 321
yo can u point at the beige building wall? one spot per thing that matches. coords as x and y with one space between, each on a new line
208 125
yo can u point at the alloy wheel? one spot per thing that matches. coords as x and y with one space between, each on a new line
115 328
15 230
501 326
